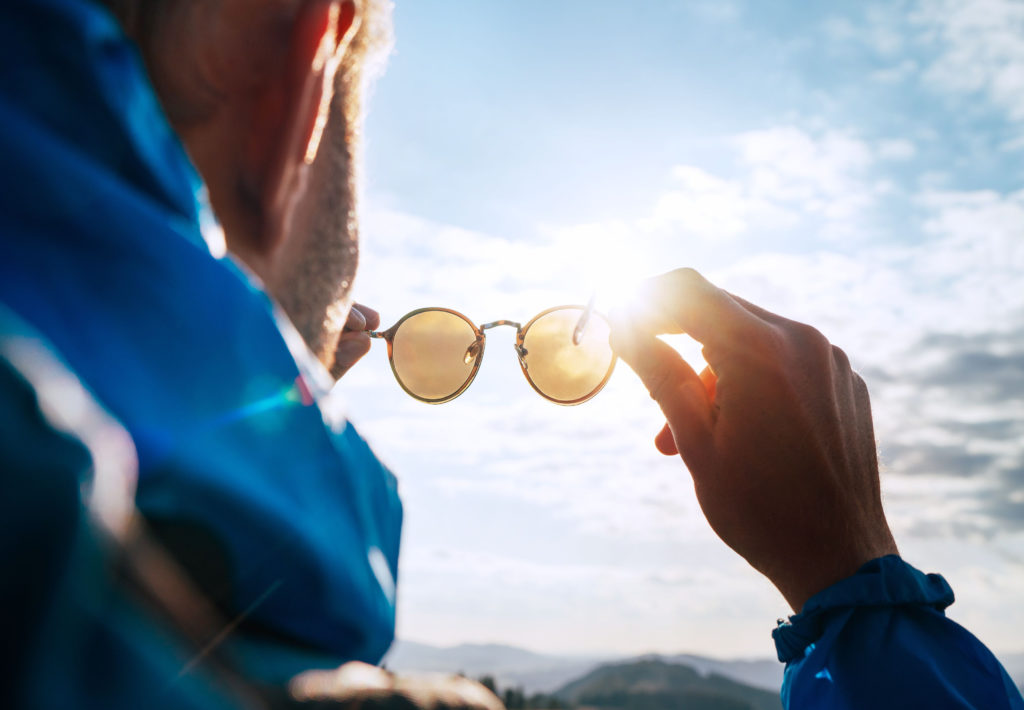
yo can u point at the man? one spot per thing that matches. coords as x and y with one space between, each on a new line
278 508
293 529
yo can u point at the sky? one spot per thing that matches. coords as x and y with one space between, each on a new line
855 165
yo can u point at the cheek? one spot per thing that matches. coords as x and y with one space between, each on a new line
325 224
330 192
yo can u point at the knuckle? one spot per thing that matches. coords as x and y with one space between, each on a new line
860 386
687 279
841 360
810 334
658 381
807 338
686 273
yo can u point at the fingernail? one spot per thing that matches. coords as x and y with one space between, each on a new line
356 320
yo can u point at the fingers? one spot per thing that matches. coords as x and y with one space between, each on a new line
356 320
362 317
354 343
684 301
761 313
352 346
664 442
357 685
673 384
710 381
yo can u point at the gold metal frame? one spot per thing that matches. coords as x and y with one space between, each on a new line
481 337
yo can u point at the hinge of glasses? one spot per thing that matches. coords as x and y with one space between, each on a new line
522 353
473 350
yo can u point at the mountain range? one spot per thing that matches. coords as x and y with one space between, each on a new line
546 673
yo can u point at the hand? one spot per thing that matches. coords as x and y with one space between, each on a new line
357 685
776 433
353 342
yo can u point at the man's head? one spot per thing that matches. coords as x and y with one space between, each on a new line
266 96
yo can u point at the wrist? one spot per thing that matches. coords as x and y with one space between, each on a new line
811 574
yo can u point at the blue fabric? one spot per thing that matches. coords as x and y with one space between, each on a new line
72 638
880 639
101 251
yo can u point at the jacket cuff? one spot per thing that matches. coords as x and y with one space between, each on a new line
885 581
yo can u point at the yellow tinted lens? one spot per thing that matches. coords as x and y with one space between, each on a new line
561 370
434 354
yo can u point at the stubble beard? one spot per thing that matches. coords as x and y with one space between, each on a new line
315 283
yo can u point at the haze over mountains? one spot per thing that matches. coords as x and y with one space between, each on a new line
545 673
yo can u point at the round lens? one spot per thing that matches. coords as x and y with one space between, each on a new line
435 354
560 369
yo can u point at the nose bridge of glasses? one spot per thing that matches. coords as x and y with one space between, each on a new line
496 323
520 350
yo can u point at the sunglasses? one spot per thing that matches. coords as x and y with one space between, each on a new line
435 353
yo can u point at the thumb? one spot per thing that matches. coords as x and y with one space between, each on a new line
673 384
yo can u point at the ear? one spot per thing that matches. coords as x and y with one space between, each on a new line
291 110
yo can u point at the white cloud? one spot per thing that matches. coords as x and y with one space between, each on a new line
981 49
595 606
538 482
883 31
983 232
823 174
896 149
790 181
702 204
818 183
879 29
1013 145
958 274
717 11
895 73
840 29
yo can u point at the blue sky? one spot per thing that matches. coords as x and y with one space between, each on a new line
859 166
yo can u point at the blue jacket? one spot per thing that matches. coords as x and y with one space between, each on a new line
74 634
101 251
880 640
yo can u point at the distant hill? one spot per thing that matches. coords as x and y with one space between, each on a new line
654 684
765 674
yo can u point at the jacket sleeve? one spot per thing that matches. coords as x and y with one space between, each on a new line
880 639
75 634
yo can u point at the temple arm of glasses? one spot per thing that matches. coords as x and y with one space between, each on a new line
376 333
581 324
